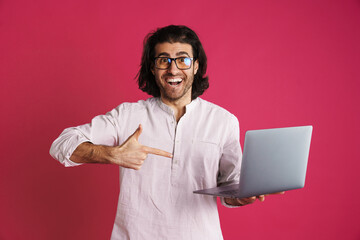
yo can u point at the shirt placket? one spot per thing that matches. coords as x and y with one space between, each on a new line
176 153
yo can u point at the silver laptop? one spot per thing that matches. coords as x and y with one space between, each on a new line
274 160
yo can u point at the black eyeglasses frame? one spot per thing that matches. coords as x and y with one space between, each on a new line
174 59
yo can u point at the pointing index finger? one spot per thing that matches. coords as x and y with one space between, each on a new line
157 152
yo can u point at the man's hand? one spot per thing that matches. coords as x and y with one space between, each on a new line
131 154
246 201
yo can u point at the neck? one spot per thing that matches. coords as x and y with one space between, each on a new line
179 106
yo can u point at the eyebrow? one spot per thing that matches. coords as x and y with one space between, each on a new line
165 54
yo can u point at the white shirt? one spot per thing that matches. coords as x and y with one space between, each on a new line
157 201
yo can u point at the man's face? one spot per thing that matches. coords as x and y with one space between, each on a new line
175 84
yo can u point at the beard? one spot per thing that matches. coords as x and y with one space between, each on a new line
175 92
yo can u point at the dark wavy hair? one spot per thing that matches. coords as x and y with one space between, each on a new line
172 34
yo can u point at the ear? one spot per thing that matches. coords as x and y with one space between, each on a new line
196 66
152 69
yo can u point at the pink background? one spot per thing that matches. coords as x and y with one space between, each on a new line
271 63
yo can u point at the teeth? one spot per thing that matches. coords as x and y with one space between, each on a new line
174 80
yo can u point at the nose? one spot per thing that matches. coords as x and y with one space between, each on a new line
173 68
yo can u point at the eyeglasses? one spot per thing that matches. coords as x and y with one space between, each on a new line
181 63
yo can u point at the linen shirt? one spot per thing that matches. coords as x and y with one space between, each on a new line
157 201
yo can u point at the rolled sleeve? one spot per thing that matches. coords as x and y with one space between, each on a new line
63 147
102 131
222 200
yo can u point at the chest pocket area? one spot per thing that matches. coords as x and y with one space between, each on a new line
205 157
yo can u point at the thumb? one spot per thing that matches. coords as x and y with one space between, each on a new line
137 132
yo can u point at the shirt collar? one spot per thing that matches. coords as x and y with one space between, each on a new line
163 106
169 110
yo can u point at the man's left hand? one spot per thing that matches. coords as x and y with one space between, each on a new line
246 201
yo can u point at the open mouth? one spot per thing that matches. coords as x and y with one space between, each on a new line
174 81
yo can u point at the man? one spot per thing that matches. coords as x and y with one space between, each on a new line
166 147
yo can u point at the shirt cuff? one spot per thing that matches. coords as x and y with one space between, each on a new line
222 199
69 163
66 161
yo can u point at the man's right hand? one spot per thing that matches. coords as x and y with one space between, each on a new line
131 154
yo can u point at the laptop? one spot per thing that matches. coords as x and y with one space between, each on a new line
274 160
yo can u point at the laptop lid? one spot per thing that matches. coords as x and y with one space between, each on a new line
274 160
